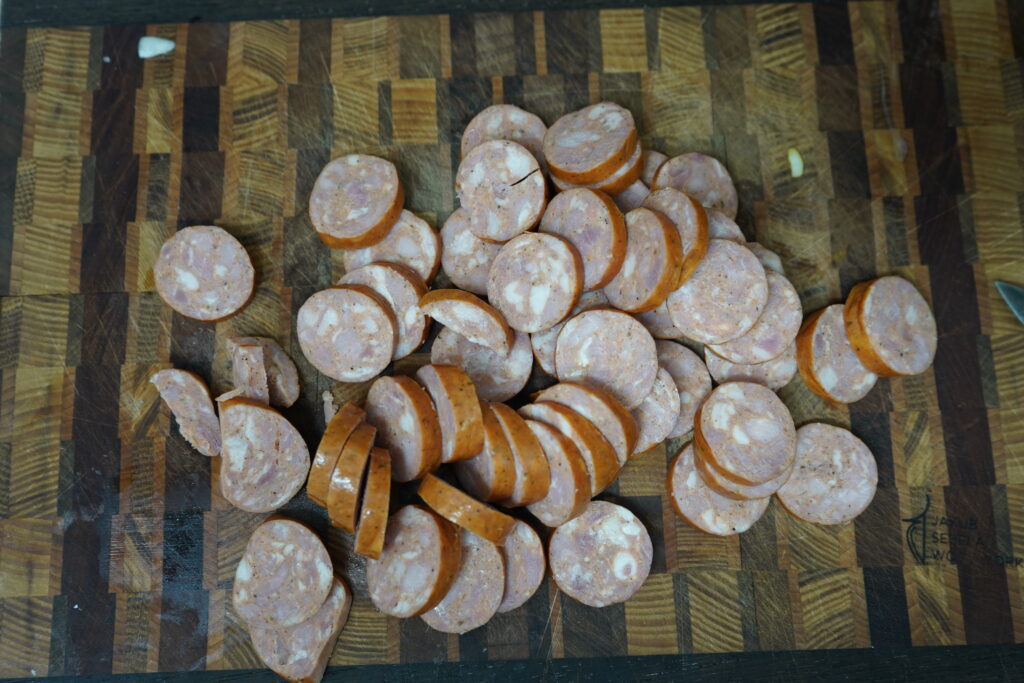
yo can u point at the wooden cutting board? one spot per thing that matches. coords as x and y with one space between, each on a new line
117 552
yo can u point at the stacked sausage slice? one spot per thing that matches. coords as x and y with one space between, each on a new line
290 599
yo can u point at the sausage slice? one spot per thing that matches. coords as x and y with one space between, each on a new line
569 489
496 377
249 370
490 474
601 557
657 414
532 475
501 185
601 409
470 317
702 177
476 592
774 330
466 258
347 478
505 122
746 432
410 241
348 332
535 280
462 509
284 576
588 145
373 512
406 425
338 430
204 273
264 459
598 454
282 375
418 564
186 394
355 201
834 478
301 652
525 565
702 507
827 361
690 221
691 379
653 264
458 410
723 298
891 327
610 350
401 287
774 374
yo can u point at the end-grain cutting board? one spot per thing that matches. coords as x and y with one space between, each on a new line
116 557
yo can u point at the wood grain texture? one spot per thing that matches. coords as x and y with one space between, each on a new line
117 551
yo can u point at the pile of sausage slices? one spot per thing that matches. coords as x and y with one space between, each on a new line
596 283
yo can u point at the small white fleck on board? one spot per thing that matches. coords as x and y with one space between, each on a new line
796 162
151 46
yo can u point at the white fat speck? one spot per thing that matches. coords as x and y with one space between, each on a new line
613 119
584 352
539 296
764 430
732 391
576 138
629 266
186 279
244 571
356 213
235 451
152 46
691 479
369 325
220 270
630 528
493 224
322 567
463 244
351 160
406 423
307 317
837 460
624 565
512 294
721 412
518 164
524 214
740 436
828 378
911 315
329 320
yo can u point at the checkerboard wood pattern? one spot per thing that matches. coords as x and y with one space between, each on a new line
117 552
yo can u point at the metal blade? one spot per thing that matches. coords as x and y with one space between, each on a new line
1013 295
